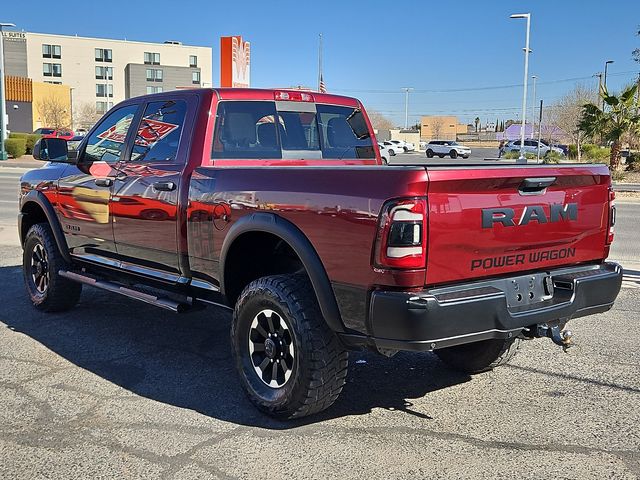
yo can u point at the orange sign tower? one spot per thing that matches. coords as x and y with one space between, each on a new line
235 64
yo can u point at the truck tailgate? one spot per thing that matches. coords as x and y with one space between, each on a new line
486 221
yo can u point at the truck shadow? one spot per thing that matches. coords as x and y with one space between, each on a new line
185 360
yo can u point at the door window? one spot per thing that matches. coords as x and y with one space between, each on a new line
158 136
106 143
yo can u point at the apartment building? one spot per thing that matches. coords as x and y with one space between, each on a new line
101 72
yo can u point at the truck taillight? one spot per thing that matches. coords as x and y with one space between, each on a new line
612 215
293 96
402 230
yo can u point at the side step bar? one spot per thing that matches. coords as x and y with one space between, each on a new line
114 287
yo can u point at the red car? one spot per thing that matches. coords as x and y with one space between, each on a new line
276 204
53 133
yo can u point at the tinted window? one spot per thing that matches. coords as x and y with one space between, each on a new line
107 140
159 132
246 130
337 125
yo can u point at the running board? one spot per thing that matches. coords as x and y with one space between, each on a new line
162 302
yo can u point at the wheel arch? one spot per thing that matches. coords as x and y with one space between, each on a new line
286 231
36 208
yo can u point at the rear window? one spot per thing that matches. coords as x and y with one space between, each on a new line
258 130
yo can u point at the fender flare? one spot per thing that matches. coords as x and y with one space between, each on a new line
293 236
34 196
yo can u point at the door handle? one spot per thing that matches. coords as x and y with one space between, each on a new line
103 182
535 186
164 186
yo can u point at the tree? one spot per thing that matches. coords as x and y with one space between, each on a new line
476 122
565 115
85 115
636 52
379 121
619 118
53 112
436 127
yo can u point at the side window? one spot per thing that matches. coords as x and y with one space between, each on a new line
158 135
338 127
107 141
246 130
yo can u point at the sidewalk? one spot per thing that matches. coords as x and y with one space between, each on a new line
25 161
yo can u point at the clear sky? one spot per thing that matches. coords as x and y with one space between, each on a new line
374 48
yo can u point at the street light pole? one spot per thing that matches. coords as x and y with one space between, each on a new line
533 108
406 107
522 158
604 83
3 153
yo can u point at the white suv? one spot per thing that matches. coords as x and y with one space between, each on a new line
531 146
447 147
404 146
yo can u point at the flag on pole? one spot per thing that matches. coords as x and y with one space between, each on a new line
322 88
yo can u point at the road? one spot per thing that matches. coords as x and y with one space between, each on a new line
117 389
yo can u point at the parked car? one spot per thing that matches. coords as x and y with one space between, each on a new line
405 146
53 133
384 152
441 148
392 148
423 145
198 194
531 146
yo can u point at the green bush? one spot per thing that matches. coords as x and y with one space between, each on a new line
553 157
16 147
596 153
32 138
573 151
18 135
633 162
515 154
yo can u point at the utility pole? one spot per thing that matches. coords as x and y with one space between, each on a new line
604 83
533 108
527 16
3 103
406 106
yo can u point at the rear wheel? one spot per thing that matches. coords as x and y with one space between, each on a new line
392 152
453 154
290 363
41 262
479 356
430 153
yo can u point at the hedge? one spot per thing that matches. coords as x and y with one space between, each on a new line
32 138
15 147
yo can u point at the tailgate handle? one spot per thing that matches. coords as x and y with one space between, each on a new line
535 186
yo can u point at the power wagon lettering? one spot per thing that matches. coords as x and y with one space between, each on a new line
505 216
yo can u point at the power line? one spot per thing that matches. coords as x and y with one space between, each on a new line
478 89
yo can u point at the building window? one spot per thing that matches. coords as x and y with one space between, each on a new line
151 58
154 75
52 69
101 90
193 61
51 51
102 107
52 82
104 55
151 90
104 73
195 77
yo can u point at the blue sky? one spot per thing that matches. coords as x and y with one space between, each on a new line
374 48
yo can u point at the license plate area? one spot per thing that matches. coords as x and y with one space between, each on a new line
528 289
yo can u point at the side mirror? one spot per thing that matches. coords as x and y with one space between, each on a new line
51 150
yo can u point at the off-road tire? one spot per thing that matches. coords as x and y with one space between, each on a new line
320 363
481 356
429 153
60 293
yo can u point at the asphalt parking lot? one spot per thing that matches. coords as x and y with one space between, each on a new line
119 389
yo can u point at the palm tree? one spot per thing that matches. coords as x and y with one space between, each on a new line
612 123
477 121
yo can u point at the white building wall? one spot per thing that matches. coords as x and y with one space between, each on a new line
78 62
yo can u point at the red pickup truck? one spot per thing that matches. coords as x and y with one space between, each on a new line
276 204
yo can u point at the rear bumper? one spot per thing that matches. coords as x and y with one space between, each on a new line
446 316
